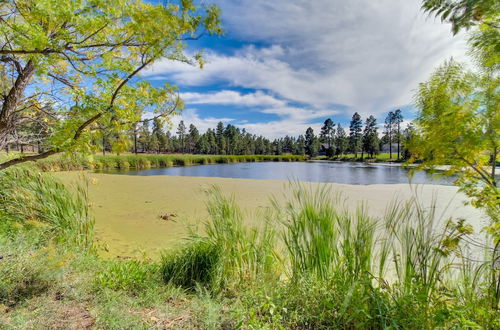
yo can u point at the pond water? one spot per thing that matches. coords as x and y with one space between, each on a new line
337 172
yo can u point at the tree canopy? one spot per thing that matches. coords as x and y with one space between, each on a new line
70 67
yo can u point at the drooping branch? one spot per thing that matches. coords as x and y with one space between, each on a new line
83 126
28 158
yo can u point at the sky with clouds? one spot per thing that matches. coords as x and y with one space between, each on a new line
285 65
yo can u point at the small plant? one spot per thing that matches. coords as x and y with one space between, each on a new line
129 275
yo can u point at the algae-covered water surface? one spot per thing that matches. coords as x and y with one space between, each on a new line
128 209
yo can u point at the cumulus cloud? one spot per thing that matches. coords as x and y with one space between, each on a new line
228 97
366 55
191 116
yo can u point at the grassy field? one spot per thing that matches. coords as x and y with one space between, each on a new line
312 263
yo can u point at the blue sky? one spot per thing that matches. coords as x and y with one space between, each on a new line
284 65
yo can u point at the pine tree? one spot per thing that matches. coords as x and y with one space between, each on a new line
181 134
355 134
370 137
389 129
311 142
341 141
327 135
398 119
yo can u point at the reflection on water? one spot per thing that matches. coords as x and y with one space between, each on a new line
338 172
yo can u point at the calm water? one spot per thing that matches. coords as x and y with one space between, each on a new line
338 172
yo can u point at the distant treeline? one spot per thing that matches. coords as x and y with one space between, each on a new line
361 139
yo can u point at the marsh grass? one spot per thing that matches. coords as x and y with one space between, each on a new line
229 255
28 198
146 161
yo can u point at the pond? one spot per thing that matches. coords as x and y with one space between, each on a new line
336 172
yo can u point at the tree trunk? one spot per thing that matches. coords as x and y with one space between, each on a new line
399 140
11 101
390 145
135 142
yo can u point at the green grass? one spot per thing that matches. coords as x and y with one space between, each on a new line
145 161
312 264
381 157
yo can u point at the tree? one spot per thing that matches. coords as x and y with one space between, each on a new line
464 14
311 142
300 148
341 141
407 138
211 142
181 135
398 119
370 137
159 135
154 144
57 53
144 137
327 135
355 134
459 124
193 138
389 126
221 142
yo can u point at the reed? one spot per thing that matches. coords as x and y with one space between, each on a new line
145 161
29 198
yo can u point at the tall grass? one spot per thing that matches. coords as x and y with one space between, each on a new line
230 254
343 268
145 161
313 263
29 198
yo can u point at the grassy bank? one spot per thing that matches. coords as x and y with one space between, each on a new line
381 157
313 264
145 161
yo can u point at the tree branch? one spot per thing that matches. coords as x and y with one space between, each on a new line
29 158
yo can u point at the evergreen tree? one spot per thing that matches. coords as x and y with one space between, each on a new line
355 134
311 142
181 134
327 135
144 137
389 128
160 135
192 138
341 141
398 119
300 146
221 142
370 137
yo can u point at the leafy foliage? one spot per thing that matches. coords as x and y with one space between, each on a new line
77 63
459 125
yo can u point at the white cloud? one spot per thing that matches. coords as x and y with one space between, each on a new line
191 116
228 97
368 55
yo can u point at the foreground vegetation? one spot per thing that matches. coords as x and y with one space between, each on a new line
311 264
